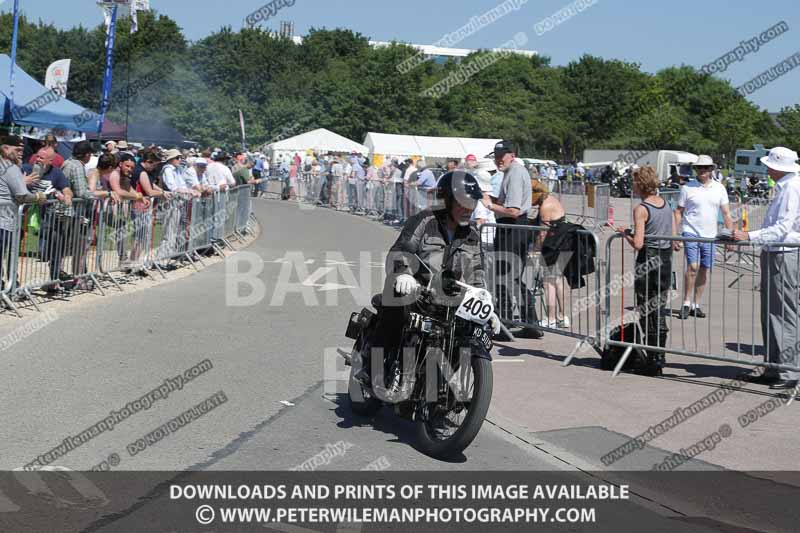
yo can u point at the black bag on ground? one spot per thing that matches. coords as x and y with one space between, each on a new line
638 362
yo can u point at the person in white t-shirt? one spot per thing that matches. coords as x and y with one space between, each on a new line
218 177
699 205
482 215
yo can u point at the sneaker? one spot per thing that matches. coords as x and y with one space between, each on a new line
685 312
564 323
698 313
548 324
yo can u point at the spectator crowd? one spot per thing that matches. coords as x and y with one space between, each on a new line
52 176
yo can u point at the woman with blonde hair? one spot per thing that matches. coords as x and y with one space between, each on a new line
551 213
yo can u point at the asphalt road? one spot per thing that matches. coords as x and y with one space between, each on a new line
280 407
268 358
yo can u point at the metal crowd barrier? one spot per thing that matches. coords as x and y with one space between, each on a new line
585 203
536 285
531 293
730 332
10 216
244 207
43 246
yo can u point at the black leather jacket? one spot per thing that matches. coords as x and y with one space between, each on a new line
425 234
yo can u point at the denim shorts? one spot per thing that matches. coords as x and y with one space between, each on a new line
699 252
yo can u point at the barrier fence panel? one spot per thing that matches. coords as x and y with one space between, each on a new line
748 214
10 216
602 205
229 205
644 305
585 203
243 208
551 284
55 242
172 223
200 227
54 246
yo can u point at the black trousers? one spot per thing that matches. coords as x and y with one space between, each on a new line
652 286
510 257
61 233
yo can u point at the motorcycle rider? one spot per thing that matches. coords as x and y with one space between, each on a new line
441 238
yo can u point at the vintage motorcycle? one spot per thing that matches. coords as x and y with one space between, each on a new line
441 377
620 186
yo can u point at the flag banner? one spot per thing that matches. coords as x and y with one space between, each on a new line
241 123
14 52
109 68
136 6
57 76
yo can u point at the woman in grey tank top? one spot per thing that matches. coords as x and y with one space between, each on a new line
653 275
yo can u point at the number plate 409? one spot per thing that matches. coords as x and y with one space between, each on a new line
476 307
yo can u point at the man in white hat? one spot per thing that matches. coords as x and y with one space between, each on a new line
780 269
699 205
172 175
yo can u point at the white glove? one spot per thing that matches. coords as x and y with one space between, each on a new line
405 284
494 321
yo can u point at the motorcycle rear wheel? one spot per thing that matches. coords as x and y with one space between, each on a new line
428 438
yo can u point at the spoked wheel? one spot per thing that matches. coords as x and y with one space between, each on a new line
446 428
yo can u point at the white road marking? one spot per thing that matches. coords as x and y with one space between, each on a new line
333 287
317 275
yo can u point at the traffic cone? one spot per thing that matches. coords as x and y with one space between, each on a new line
611 215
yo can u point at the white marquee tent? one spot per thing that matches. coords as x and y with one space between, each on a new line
319 140
391 145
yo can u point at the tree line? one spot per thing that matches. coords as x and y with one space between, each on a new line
335 80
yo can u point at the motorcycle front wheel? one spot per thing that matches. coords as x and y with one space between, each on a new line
445 429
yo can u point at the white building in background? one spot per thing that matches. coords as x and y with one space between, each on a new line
438 51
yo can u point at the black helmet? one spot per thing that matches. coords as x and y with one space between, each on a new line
462 186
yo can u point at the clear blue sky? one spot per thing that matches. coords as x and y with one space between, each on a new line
655 34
